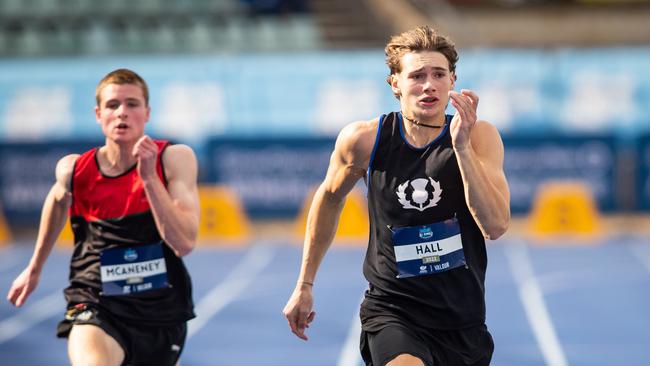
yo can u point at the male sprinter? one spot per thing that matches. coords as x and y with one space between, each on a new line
134 211
436 191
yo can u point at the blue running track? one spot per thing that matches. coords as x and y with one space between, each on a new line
555 305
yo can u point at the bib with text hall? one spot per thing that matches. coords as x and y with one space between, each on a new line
428 249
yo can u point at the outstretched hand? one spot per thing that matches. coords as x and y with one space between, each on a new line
466 103
298 311
23 286
146 151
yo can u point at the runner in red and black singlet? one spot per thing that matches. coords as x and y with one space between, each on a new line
111 212
134 210
436 191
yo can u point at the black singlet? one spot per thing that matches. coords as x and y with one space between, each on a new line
452 299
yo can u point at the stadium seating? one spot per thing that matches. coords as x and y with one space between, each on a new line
41 28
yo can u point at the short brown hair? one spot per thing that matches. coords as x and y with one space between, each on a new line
422 38
121 77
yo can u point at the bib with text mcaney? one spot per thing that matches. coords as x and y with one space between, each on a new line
131 270
428 249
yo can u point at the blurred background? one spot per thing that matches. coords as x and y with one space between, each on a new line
260 89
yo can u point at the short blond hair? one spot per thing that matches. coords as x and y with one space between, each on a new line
422 38
121 77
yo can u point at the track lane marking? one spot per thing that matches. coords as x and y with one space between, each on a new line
532 299
256 259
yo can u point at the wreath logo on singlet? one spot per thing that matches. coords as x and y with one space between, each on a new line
421 197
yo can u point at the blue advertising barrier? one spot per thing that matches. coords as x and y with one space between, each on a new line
643 173
271 176
27 174
532 161
315 94
274 176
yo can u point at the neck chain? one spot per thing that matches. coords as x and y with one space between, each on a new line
418 123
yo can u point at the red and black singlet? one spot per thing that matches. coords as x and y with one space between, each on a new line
110 212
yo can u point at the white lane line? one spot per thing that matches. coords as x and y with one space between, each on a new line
31 315
642 254
533 300
257 258
350 355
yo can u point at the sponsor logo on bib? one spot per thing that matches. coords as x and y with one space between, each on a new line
426 233
130 255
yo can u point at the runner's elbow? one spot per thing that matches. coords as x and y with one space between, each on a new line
183 247
182 252
497 229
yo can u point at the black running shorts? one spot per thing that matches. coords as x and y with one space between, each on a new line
142 344
463 347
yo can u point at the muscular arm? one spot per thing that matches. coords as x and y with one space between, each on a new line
486 188
53 218
479 152
175 209
348 164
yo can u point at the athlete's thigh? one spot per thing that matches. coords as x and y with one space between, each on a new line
90 345
396 345
406 359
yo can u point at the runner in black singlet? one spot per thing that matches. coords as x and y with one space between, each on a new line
134 211
436 191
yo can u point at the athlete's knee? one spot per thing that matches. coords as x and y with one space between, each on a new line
405 359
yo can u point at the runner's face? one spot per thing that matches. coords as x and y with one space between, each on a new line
122 112
423 85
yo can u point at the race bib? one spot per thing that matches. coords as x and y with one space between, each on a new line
428 249
131 270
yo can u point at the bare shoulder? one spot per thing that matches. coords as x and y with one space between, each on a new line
179 159
486 138
178 155
179 151
64 169
67 162
357 139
